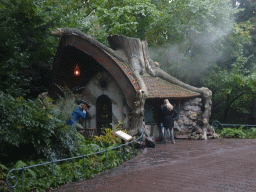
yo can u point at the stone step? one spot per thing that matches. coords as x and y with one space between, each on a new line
181 136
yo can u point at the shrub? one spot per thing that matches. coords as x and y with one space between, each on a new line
252 133
237 133
108 138
26 126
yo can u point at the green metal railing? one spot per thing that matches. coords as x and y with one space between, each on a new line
215 125
58 160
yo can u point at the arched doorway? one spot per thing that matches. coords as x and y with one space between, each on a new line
103 112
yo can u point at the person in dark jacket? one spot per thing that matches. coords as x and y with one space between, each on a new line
80 111
168 113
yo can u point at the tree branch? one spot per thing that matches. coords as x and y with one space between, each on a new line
88 13
229 104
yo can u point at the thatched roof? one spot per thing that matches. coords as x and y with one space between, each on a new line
159 88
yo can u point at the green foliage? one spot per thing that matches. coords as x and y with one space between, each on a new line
26 42
241 132
131 18
40 177
26 126
66 104
233 80
231 87
49 137
252 133
3 170
195 35
108 138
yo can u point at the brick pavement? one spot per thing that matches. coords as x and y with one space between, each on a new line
189 165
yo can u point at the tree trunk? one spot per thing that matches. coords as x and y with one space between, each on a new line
254 108
226 109
229 103
131 50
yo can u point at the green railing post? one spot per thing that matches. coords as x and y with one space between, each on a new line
133 148
121 152
106 159
222 131
247 131
140 143
52 168
22 175
83 162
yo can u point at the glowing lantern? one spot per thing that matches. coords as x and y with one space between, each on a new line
77 71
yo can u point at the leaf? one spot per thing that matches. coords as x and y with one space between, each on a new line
3 167
32 173
102 157
20 164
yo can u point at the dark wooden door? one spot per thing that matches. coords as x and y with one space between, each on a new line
103 112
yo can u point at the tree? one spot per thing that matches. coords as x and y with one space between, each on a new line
131 18
196 38
248 13
231 88
27 51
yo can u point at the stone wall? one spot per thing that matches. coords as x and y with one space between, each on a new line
190 116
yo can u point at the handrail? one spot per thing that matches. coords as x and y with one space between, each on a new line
215 125
58 160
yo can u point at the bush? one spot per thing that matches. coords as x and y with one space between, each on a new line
237 133
252 133
40 132
108 138
26 126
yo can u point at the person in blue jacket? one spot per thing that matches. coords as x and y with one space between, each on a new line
80 111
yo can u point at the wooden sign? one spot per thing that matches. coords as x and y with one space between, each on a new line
123 135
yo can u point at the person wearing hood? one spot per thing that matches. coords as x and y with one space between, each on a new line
80 111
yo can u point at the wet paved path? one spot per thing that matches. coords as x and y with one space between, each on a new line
189 165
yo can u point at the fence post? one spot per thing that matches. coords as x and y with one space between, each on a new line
247 131
83 161
106 159
52 168
140 142
22 175
133 148
222 131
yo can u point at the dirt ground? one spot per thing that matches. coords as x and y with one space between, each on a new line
189 165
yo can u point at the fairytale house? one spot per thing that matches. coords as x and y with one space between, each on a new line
123 84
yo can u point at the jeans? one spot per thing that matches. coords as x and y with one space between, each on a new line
164 134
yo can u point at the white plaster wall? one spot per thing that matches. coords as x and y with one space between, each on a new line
93 90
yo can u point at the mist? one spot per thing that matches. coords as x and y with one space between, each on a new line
197 52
